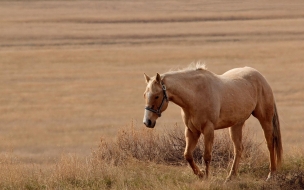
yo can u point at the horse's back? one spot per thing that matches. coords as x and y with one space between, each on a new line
244 72
247 75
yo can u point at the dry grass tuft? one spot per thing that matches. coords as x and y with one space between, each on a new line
168 147
142 158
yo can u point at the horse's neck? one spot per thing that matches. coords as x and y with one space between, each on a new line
181 89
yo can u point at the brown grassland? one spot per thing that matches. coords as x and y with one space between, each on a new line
71 91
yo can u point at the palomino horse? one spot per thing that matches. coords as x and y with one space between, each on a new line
209 102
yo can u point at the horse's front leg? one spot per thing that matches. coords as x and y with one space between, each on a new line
191 141
208 132
236 137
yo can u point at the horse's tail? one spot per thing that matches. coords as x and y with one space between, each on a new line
277 142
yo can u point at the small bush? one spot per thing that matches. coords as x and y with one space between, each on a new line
168 147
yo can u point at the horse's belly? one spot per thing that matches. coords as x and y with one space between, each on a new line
236 111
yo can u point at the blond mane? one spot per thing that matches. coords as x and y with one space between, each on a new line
193 66
196 66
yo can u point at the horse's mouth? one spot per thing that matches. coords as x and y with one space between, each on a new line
150 124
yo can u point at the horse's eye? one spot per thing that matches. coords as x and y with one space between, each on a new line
156 97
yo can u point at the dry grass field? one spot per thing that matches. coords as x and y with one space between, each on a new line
71 73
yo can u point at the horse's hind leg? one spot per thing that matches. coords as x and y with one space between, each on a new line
191 141
268 132
265 119
236 137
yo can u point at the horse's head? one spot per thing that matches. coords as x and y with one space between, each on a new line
156 100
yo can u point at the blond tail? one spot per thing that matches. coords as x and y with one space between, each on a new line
277 142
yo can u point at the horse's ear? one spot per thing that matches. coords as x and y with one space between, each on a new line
158 79
147 78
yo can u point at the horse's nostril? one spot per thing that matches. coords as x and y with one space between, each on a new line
149 122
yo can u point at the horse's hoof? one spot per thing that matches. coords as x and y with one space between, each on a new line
231 177
228 179
200 175
270 176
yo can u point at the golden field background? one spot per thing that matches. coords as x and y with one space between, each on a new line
71 72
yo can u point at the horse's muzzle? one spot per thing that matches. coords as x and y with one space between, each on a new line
149 123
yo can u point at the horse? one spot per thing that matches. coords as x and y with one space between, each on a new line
211 102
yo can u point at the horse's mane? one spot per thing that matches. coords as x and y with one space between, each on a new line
193 66
196 66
